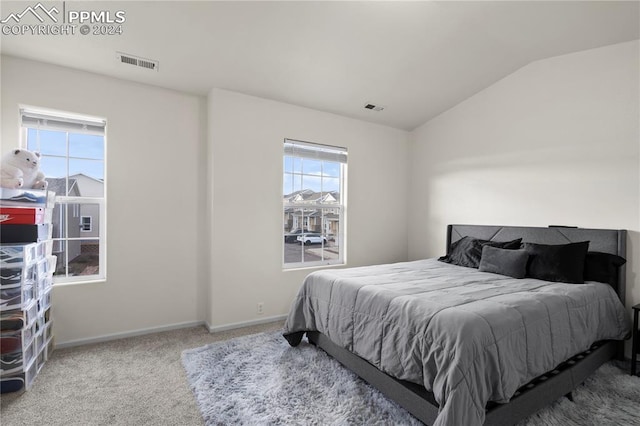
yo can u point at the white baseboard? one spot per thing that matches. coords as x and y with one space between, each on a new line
151 330
219 328
133 333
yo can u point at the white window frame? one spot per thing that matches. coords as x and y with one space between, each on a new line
339 207
65 201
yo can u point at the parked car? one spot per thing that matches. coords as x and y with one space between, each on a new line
312 239
292 237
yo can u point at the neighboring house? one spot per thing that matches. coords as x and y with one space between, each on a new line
312 218
89 213
82 219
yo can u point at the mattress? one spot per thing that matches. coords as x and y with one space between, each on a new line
469 337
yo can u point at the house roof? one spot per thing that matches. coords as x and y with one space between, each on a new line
58 185
87 176
307 195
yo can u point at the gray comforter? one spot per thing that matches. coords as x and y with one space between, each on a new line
468 336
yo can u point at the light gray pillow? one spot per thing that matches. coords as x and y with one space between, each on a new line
512 263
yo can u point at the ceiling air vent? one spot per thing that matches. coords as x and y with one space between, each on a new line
137 61
374 107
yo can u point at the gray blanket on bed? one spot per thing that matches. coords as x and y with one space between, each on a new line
468 336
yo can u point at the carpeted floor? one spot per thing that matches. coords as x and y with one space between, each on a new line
134 381
141 381
262 380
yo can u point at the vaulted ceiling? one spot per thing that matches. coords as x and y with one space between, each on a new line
417 59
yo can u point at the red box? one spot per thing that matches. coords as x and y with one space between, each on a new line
21 215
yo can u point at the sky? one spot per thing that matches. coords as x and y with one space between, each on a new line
305 173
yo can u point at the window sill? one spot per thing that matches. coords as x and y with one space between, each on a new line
100 280
324 266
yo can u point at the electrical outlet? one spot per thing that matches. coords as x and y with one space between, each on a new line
260 308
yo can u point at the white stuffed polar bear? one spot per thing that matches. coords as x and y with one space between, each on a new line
20 169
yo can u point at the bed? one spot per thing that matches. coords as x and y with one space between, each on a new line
454 345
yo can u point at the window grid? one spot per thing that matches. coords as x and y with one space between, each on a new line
63 201
323 216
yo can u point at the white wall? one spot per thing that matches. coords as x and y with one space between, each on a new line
169 191
246 137
155 187
556 142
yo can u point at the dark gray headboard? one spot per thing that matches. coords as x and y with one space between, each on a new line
603 240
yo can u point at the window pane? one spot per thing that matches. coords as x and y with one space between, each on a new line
84 257
314 219
60 251
312 182
58 220
299 253
297 165
331 225
293 224
330 184
329 168
91 168
51 143
32 140
288 164
311 167
331 251
297 183
86 146
293 253
297 220
313 252
287 184
78 214
54 168
86 178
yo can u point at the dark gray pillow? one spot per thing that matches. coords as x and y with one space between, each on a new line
467 251
559 263
512 263
603 267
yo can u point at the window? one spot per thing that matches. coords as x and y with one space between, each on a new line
85 223
313 204
72 157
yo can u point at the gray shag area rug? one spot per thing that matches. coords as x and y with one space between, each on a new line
260 379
